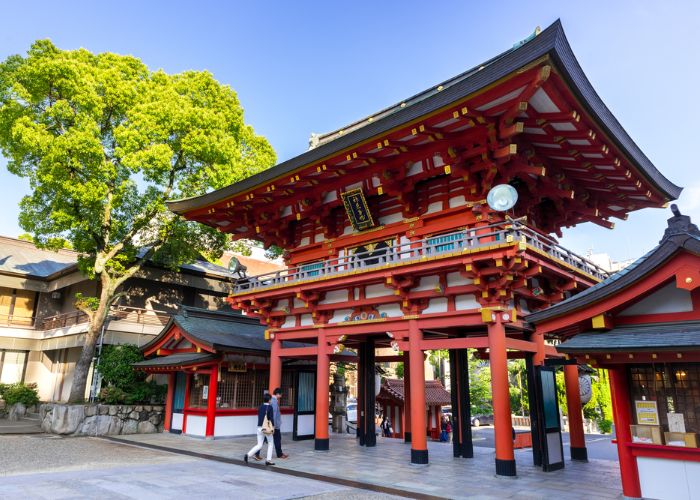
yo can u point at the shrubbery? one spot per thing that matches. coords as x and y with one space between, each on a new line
121 383
19 393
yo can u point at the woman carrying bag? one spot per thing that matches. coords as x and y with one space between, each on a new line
266 427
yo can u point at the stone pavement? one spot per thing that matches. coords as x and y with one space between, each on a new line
53 467
22 426
386 468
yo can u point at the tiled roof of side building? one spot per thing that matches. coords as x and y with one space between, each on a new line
657 337
435 393
23 258
220 330
552 41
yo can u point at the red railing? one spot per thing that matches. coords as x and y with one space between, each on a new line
16 320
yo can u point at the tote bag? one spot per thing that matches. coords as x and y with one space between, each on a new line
267 427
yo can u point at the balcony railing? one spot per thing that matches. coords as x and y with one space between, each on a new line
404 253
118 313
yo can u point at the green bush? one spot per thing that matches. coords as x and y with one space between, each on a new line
604 425
122 384
19 393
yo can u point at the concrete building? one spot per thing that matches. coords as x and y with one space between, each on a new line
41 331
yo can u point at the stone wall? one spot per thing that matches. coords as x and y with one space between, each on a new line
101 420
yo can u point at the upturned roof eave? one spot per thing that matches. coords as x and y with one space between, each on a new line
551 42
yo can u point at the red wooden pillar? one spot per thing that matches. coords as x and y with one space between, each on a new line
169 401
407 398
211 401
503 426
275 365
538 358
322 382
573 404
188 378
419 442
623 418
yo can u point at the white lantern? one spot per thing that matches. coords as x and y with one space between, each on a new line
502 197
585 388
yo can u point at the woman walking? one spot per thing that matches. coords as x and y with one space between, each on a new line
266 427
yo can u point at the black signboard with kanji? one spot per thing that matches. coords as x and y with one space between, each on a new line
357 209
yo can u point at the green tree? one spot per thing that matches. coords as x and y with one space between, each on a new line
105 142
479 385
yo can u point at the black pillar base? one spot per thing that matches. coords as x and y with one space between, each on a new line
406 437
579 454
505 467
322 444
419 457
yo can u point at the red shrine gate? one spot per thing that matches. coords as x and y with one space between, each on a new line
391 242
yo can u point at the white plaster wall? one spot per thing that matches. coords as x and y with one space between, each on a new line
235 425
306 320
435 206
668 299
299 303
330 196
196 425
281 304
456 279
335 296
457 201
427 283
304 241
289 322
287 211
176 422
436 306
391 218
391 310
340 315
305 425
669 479
463 302
378 290
415 168
319 238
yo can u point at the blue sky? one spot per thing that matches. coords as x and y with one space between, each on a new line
302 67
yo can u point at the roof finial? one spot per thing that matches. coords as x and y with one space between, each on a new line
679 225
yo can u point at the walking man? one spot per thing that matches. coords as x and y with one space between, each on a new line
277 436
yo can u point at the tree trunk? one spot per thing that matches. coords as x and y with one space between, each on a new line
82 367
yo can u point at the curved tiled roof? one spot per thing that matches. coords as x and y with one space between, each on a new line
552 42
435 393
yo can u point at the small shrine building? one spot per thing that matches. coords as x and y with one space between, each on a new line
218 369
643 326
391 242
392 400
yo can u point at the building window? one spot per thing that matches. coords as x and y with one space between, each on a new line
13 365
674 386
17 307
199 391
244 390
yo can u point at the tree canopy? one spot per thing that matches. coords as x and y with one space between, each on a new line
105 142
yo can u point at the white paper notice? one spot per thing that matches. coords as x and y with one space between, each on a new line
676 422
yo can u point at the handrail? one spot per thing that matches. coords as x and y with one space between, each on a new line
471 238
120 313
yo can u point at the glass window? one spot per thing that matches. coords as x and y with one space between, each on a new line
12 366
674 386
446 242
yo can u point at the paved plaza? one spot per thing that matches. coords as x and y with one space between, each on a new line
386 468
52 467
